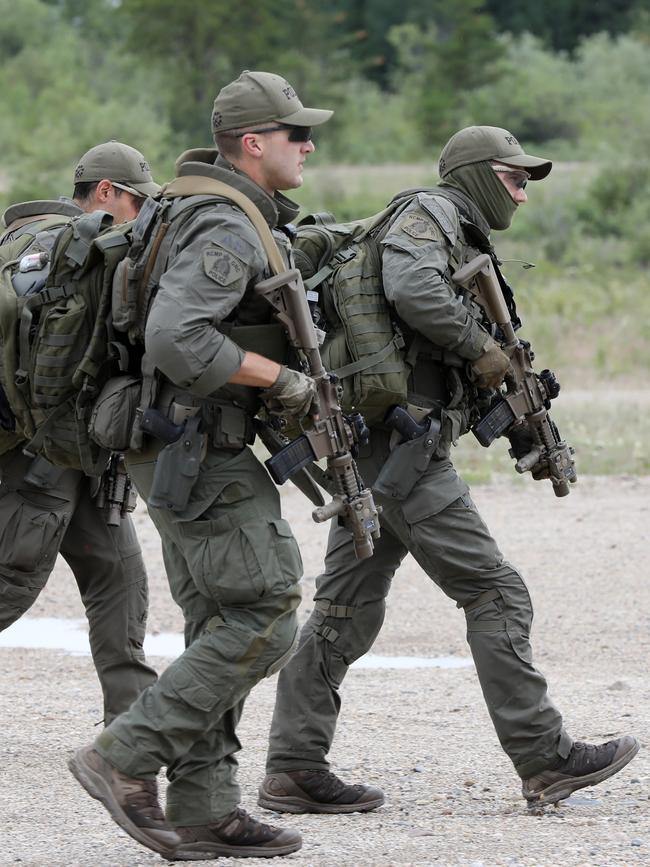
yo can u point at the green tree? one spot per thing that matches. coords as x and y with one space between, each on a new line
199 47
438 66
561 24
59 96
533 93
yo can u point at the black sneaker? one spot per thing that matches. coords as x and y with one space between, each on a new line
237 835
586 765
132 803
314 791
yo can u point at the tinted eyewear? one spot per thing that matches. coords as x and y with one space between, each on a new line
518 178
300 134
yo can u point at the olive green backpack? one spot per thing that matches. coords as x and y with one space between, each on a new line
363 345
36 238
57 344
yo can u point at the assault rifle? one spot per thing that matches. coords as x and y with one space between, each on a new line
331 434
527 396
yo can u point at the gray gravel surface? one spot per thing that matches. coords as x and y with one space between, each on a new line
423 735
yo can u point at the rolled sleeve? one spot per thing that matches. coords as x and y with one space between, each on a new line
415 262
218 257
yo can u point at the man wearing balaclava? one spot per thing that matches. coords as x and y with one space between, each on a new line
456 368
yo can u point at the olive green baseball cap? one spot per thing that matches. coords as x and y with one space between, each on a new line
124 166
262 97
475 144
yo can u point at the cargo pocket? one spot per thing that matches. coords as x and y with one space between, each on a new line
520 643
277 556
184 684
30 538
240 565
440 487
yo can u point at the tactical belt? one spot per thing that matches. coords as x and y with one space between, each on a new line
228 426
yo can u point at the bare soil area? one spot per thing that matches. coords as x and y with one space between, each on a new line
423 735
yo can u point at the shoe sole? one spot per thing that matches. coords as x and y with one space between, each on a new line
203 851
292 804
98 788
564 788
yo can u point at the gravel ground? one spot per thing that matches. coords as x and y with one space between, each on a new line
423 735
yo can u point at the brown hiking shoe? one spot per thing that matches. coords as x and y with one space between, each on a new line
237 835
586 765
315 791
132 803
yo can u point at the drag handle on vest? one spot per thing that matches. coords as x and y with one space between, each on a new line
526 396
178 463
330 435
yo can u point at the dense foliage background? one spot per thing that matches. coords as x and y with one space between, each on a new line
571 78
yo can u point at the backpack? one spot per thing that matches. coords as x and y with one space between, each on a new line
56 340
66 372
37 236
364 345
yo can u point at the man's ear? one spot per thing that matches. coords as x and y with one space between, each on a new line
252 146
103 190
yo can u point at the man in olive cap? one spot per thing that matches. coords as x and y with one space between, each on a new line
107 172
232 562
45 510
458 366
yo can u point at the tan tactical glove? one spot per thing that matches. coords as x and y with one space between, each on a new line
490 368
293 394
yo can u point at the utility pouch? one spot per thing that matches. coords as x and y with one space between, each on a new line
228 427
113 415
177 469
407 463
42 474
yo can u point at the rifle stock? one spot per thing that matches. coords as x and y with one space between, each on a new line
527 396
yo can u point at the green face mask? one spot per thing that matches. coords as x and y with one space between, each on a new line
481 184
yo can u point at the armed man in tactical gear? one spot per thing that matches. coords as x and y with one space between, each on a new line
232 562
427 509
45 510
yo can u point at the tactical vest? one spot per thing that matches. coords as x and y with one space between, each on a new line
364 343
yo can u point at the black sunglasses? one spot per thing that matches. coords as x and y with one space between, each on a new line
296 133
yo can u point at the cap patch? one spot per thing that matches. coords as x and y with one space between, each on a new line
78 172
512 140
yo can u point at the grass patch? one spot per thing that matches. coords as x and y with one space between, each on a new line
609 430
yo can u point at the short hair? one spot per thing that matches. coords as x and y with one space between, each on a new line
229 144
83 191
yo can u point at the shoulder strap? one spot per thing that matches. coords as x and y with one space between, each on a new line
196 185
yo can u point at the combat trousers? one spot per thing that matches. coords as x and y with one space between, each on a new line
233 568
35 525
440 526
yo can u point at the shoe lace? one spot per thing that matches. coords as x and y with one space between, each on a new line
142 795
244 828
584 756
325 783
